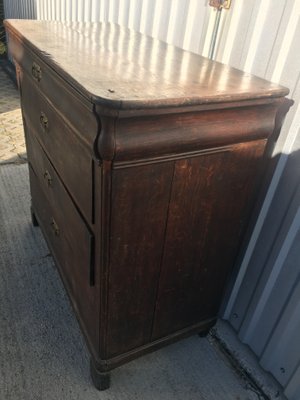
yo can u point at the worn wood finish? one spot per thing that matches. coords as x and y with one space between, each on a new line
205 219
63 229
68 102
70 156
150 137
143 177
115 63
136 247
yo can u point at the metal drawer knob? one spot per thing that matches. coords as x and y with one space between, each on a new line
36 71
48 178
54 227
44 121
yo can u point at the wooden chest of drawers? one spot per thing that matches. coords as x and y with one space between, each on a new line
145 163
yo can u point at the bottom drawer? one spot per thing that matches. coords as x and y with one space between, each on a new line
71 245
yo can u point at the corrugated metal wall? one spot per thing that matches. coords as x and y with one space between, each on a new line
180 22
20 9
264 308
261 37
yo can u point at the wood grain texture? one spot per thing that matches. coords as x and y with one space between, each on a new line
155 136
138 223
64 229
72 106
209 206
71 157
123 69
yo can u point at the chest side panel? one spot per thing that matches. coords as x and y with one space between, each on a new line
212 196
140 198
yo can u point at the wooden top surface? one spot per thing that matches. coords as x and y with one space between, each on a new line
119 68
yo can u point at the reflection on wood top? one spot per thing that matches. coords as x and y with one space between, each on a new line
120 68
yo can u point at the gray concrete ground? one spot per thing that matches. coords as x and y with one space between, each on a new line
42 352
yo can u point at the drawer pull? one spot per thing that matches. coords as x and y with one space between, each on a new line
44 121
36 72
48 178
55 227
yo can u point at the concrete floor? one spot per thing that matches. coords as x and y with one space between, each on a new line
42 352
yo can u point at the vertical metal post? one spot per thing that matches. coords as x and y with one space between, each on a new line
214 34
218 5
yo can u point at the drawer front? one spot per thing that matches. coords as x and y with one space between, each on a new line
70 157
75 107
180 135
68 238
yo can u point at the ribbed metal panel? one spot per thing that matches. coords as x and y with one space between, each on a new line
179 22
264 306
263 38
20 9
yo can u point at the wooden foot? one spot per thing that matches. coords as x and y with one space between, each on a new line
101 380
33 218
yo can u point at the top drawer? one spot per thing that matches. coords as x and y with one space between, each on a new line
70 103
71 158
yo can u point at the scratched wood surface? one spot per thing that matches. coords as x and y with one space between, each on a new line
121 68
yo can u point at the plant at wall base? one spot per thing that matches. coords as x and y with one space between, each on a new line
2 48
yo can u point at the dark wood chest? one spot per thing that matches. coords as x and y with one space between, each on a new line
145 163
